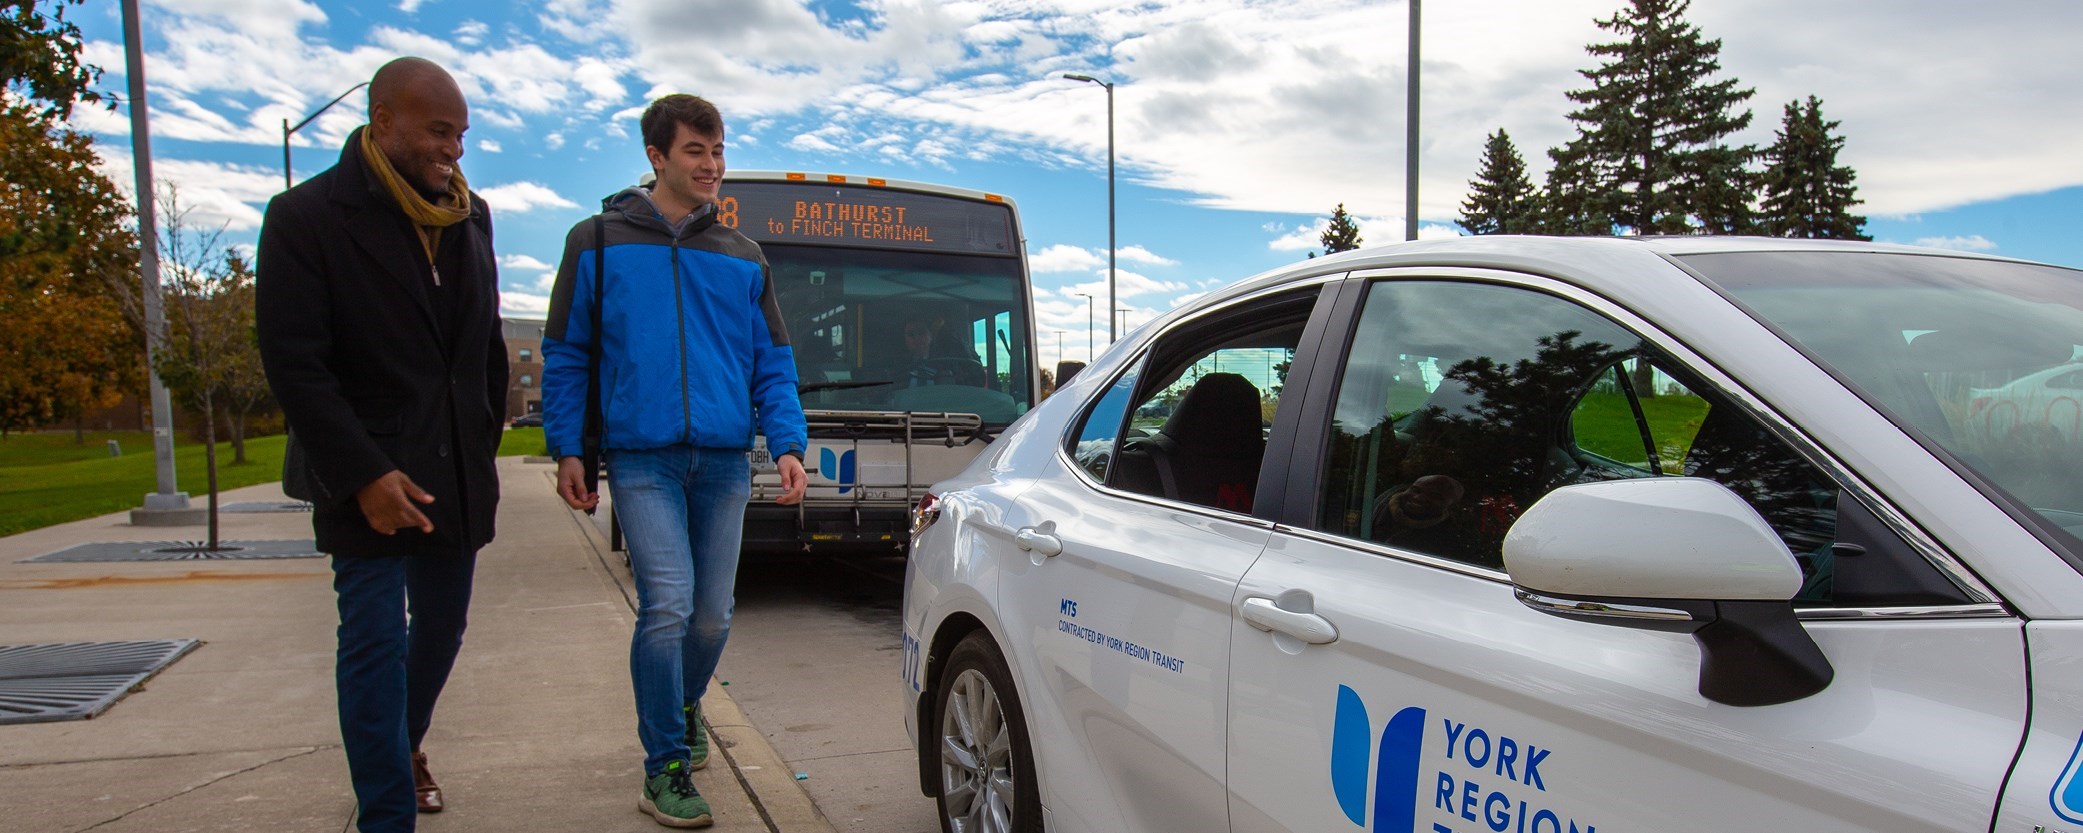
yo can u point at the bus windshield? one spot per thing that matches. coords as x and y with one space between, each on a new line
880 330
897 296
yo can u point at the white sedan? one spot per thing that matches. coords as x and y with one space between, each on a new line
1525 535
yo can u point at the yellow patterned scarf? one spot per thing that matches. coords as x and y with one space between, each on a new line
428 217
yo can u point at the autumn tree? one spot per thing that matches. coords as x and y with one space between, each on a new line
1805 192
1342 234
1653 152
40 57
63 242
1501 199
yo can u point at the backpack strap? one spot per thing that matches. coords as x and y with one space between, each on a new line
596 419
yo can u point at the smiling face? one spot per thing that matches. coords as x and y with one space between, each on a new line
690 170
420 129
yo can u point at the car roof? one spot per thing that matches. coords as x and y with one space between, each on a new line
1602 264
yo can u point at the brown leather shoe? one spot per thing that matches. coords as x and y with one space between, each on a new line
423 787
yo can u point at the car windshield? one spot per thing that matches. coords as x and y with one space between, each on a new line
1982 357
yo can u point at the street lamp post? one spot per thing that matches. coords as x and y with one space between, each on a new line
1410 137
1110 190
1089 356
1120 314
287 131
168 506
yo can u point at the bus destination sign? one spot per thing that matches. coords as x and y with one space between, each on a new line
842 215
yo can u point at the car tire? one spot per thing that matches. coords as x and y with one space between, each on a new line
982 751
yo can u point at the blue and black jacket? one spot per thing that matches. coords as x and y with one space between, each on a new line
695 348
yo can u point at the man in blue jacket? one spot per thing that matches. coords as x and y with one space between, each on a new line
692 352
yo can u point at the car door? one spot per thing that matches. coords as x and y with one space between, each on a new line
1435 700
1120 617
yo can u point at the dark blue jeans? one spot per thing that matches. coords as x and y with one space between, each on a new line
401 623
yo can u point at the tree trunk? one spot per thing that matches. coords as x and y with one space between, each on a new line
210 463
238 436
1644 379
79 429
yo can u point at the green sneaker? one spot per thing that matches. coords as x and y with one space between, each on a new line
670 798
697 739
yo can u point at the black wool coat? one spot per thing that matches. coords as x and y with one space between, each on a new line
370 378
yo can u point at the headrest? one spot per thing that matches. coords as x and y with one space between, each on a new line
1220 413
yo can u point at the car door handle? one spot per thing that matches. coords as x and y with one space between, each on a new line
1265 615
1035 540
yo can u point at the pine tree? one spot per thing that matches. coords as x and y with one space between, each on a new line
1342 235
1806 193
1652 135
1500 198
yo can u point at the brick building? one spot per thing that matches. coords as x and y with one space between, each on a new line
524 366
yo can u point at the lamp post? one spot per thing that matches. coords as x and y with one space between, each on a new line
1120 314
1059 345
168 506
1110 190
1410 138
1089 356
287 131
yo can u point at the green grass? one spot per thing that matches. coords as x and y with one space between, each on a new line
46 478
1604 424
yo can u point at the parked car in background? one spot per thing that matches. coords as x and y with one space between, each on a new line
1544 535
533 420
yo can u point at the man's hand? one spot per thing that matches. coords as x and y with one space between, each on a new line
571 484
793 480
387 503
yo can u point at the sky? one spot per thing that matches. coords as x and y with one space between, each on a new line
1238 124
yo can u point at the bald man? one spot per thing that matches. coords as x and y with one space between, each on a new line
379 328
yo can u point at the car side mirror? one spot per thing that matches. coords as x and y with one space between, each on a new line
1677 554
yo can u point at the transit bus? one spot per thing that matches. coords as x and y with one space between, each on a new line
909 310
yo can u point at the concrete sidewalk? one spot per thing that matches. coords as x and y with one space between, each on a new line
535 732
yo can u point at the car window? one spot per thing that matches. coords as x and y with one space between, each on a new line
1196 423
1461 404
1092 446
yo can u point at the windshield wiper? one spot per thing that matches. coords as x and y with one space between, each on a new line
848 385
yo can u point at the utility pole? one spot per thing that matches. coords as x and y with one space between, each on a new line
1410 138
168 506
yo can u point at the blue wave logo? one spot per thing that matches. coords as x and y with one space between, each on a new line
2067 796
1395 763
838 468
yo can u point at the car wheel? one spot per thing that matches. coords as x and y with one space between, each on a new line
986 763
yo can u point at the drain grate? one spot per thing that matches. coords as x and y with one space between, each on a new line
77 680
266 506
181 551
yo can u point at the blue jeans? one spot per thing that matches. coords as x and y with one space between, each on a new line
401 624
683 512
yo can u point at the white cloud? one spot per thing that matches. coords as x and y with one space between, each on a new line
410 6
1138 254
1969 243
489 146
216 195
1063 258
523 196
523 262
472 32
523 304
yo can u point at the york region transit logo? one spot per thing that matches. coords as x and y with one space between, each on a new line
837 467
1468 778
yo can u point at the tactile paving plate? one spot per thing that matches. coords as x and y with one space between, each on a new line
77 680
181 551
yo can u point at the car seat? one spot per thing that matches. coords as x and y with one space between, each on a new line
1208 451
